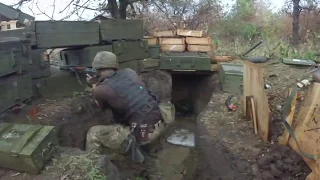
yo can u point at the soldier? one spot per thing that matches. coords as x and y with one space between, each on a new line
134 107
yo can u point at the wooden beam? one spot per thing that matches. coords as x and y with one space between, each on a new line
253 85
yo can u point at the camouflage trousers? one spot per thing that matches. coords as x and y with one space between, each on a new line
108 139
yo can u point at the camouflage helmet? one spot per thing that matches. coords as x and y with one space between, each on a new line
105 59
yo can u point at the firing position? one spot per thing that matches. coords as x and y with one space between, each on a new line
139 119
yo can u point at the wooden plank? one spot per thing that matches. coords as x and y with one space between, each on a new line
152 40
172 48
254 86
215 67
172 41
199 48
189 33
221 58
254 116
285 137
307 129
251 113
198 41
171 33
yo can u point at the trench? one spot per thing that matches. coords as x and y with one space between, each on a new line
190 94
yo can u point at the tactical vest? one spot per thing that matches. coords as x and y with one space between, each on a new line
137 98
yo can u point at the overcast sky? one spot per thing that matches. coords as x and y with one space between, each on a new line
47 6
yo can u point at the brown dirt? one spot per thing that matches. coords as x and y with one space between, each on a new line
229 149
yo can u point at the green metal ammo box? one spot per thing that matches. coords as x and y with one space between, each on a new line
25 34
154 51
121 29
39 67
130 64
301 62
185 61
14 90
26 147
130 50
88 54
13 55
52 34
231 77
148 64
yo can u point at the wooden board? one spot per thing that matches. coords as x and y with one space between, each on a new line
198 41
199 48
8 25
307 129
215 67
152 40
172 48
285 137
251 113
189 33
171 33
253 85
172 41
221 58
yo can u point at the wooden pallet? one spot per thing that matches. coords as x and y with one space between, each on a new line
8 25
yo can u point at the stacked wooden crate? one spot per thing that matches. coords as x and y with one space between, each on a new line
181 40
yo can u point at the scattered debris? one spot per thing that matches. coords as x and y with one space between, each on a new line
230 106
182 137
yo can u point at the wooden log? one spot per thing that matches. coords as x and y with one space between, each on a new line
189 33
172 48
172 41
198 41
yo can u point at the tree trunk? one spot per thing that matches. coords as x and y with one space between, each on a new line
295 23
113 8
123 8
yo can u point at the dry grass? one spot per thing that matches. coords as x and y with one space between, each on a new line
79 166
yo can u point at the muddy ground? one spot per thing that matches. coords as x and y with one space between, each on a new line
227 148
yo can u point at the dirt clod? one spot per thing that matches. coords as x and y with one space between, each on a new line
275 171
255 171
267 175
265 160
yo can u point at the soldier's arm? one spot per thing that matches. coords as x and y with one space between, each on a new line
100 95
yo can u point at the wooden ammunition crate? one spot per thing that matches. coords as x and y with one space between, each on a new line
172 48
198 41
171 33
152 40
199 48
189 33
172 41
